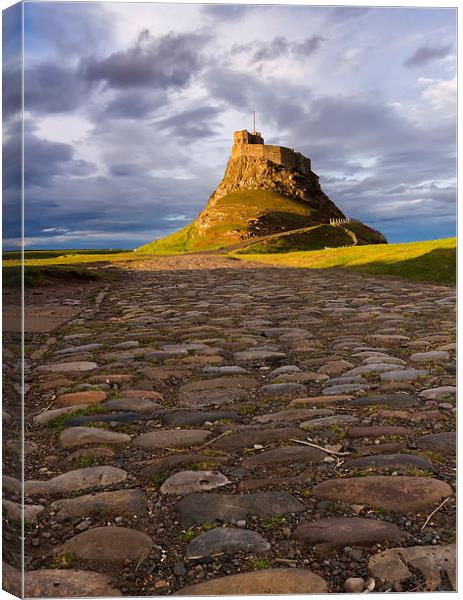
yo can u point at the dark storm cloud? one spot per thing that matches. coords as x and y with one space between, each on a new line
279 47
339 132
195 123
98 206
124 169
133 105
426 54
155 63
11 91
11 61
352 119
43 160
277 102
52 88
168 61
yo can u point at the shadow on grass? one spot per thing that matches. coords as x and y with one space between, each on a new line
51 275
437 266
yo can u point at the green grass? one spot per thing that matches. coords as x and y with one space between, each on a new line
318 237
41 254
190 534
64 560
257 564
59 422
48 268
159 478
431 261
273 521
177 242
235 217
68 259
312 238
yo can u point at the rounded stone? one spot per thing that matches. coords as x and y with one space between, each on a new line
325 422
89 397
354 585
189 482
432 356
399 494
226 540
399 564
389 461
444 442
266 581
119 502
289 455
389 400
172 438
402 375
79 479
68 583
78 366
377 431
347 531
207 508
282 390
439 393
46 416
293 414
81 436
109 544
247 439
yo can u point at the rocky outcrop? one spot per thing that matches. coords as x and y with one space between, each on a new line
260 197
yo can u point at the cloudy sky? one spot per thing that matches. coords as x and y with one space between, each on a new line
130 109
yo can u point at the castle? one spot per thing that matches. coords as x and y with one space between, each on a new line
252 145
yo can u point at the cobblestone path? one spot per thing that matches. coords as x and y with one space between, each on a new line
207 426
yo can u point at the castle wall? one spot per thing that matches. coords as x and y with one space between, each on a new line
277 154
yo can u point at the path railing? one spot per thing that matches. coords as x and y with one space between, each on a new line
339 221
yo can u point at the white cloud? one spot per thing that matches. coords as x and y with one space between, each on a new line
443 96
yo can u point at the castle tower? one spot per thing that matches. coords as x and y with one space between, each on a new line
244 137
252 145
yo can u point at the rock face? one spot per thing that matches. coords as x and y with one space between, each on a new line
265 190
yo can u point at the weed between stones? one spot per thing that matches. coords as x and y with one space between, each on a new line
190 534
58 423
255 564
65 560
273 521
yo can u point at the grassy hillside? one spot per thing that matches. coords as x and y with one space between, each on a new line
236 216
432 261
318 237
311 238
